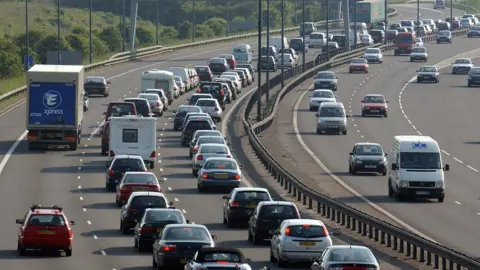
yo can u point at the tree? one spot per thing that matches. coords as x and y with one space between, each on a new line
10 65
50 43
145 36
112 38
168 33
79 43
218 25
185 30
80 31
99 46
34 36
202 30
7 45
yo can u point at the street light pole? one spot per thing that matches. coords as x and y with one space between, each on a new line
156 22
259 63
386 19
27 34
90 31
355 24
303 35
59 55
124 31
328 22
268 50
451 11
283 37
418 13
194 22
226 18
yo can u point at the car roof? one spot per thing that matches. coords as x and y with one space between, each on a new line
186 226
203 66
200 99
276 203
137 98
94 77
148 94
331 104
210 136
207 130
367 143
127 157
326 71
213 144
221 158
147 193
47 212
197 113
240 189
163 210
348 246
147 173
323 90
374 95
294 222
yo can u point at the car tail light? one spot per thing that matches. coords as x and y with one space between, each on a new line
234 204
111 172
236 177
156 188
123 188
221 92
229 156
147 229
158 104
112 154
199 90
195 149
200 157
325 231
287 231
131 209
177 116
152 155
205 176
167 248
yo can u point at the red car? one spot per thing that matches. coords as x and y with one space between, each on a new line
136 181
374 104
45 228
358 64
120 109
232 63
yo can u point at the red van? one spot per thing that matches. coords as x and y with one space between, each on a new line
404 43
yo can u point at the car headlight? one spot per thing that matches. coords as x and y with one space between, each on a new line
382 162
322 121
439 184
403 184
358 161
469 77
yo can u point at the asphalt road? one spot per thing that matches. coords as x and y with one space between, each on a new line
444 111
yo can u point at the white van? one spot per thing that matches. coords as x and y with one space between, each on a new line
277 42
439 4
317 39
417 169
361 27
242 53
159 79
133 135
182 72
331 117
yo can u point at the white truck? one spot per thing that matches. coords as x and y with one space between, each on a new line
416 168
55 98
134 135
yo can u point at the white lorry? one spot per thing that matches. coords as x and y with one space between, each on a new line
416 168
55 98
134 135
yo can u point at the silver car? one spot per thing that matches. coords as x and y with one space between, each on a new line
209 258
325 80
219 172
428 74
346 256
180 84
206 151
156 104
161 94
206 139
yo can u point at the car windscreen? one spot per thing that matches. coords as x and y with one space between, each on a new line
213 149
374 99
322 94
121 109
325 75
153 216
368 150
332 112
420 160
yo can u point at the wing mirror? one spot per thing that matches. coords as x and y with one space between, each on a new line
104 113
274 232
18 221
362 101
188 221
394 167
241 166
170 203
72 222
108 82
174 111
385 154
317 114
214 237
107 165
351 153
226 197
387 101
446 168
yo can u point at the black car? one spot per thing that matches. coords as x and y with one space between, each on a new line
269 63
474 76
180 114
132 212
119 165
218 65
233 91
240 204
95 85
367 157
268 216
152 223
142 106
177 244
214 89
193 99
204 73
297 45
193 125
189 115
378 36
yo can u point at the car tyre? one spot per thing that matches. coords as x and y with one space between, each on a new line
411 59
21 251
230 223
344 132
224 219
385 115
469 85
154 263
425 60
118 202
152 165
279 262
419 81
441 198
391 193
123 228
68 252
255 239
272 258
384 172
312 109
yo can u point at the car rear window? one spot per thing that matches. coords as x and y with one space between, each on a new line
121 109
206 103
140 179
159 93
306 231
210 87
128 163
94 80
214 149
187 233
141 105
149 97
46 220
278 211
217 61
221 164
163 216
221 256
251 196
211 140
198 124
207 133
149 201
202 69
182 111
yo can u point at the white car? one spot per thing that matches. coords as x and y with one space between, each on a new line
208 150
366 39
210 106
299 240
466 23
156 104
180 84
287 59
419 54
428 74
235 80
462 66
319 96
86 101
317 39
419 42
373 55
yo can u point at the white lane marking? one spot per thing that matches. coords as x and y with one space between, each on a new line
340 181
458 160
103 252
184 211
457 202
84 209
471 168
81 198
78 177
95 237
11 150
445 152
169 188
175 199
161 169
79 187
89 222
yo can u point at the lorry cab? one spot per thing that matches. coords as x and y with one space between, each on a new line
404 43
439 4
361 27
416 168
133 135
309 28
161 79
242 53
277 42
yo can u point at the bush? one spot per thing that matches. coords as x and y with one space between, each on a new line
168 33
185 30
79 43
112 37
218 26
145 36
202 30
99 46
34 36
10 65
50 43
9 46
82 31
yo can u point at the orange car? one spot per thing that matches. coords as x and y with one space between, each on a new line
45 228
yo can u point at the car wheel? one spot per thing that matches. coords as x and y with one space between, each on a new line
250 237
21 251
255 240
152 165
280 263
154 263
411 59
384 172
440 199
68 252
272 258
230 223
390 190
135 243
385 115
123 228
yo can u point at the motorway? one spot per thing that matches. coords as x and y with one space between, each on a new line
75 180
444 111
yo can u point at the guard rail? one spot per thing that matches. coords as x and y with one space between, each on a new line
153 50
399 239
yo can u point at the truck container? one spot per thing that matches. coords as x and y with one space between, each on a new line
368 11
54 105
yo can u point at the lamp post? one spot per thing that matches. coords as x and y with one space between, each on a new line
282 15
328 21
268 52
194 22
90 31
259 63
156 22
303 35
27 34
59 48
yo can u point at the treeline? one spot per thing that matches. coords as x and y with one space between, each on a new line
175 16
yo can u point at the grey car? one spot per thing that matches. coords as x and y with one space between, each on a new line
206 151
474 76
444 36
325 80
200 133
156 104
473 32
346 256
180 114
219 173
367 157
206 139
428 74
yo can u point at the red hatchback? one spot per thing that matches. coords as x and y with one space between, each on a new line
45 228
136 181
232 63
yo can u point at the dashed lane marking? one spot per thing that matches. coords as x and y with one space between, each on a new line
458 160
471 168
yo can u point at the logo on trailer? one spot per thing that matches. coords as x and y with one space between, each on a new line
419 145
52 99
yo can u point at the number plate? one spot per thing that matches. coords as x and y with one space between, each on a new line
251 206
307 244
139 189
184 261
422 192
159 230
375 111
370 166
47 232
221 176
332 126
